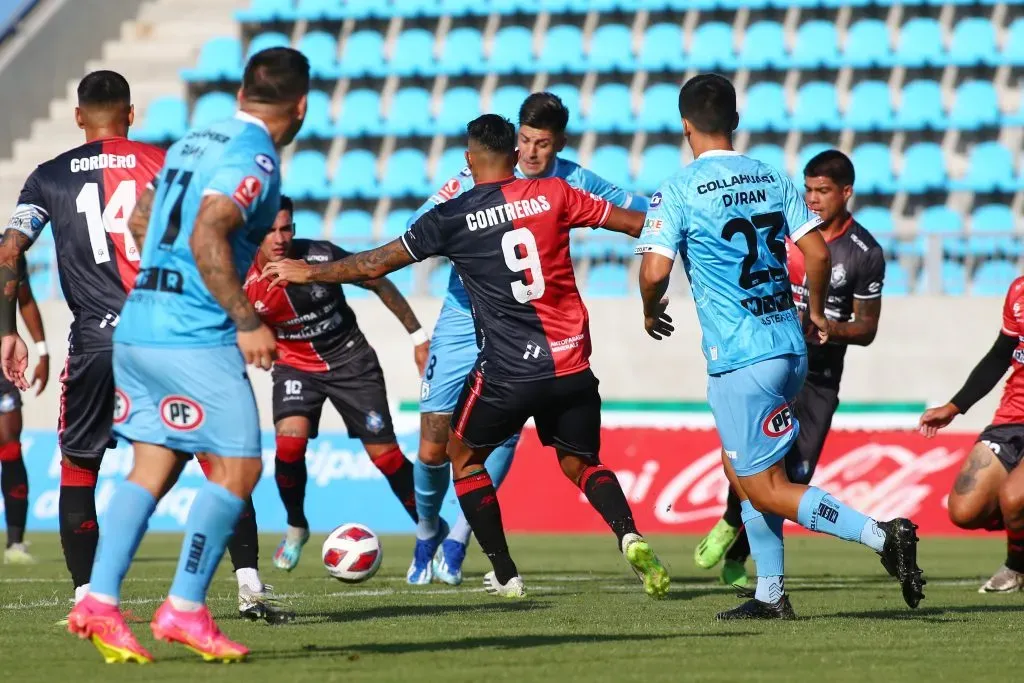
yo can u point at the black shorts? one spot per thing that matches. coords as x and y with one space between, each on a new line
10 397
356 390
813 408
1006 441
566 411
84 428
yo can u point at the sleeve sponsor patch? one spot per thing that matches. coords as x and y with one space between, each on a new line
265 162
655 200
653 225
248 191
449 190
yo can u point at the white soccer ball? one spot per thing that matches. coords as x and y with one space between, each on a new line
352 553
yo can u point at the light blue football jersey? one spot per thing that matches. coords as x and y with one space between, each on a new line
170 304
728 216
569 171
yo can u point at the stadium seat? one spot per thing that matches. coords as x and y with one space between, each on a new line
562 51
306 177
659 111
924 168
870 107
321 48
868 45
993 278
952 282
463 52
611 49
360 114
948 223
439 277
921 107
816 107
409 113
897 280
992 232
976 106
807 153
607 280
873 162
511 51
264 11
219 59
570 96
662 49
452 161
506 101
974 43
658 163
611 162
213 106
459 8
318 122
362 54
990 169
355 175
611 110
570 154
816 46
878 221
527 7
769 154
764 46
166 119
397 223
351 225
405 174
920 44
265 41
1013 46
765 109
308 225
458 106
330 10
413 8
413 54
711 47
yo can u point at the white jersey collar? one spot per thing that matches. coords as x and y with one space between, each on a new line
719 153
249 118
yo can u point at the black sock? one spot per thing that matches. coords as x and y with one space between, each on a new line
733 515
244 546
602 489
739 551
291 485
398 471
479 503
14 483
79 530
1015 550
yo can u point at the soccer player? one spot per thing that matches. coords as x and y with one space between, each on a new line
322 354
187 332
853 307
989 490
508 240
729 216
13 477
542 122
86 195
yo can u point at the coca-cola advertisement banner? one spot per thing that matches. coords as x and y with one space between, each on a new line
674 481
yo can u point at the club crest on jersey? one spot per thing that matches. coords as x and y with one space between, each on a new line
779 422
838 275
374 422
122 406
655 200
248 191
181 413
7 403
260 307
318 292
265 162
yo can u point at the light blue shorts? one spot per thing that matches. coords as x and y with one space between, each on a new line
752 413
453 352
188 399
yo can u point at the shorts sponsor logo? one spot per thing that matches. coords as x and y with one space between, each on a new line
248 191
265 162
424 390
450 189
181 413
122 406
779 422
8 403
655 200
374 422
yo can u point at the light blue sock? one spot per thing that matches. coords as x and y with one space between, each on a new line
764 532
499 462
211 520
124 524
821 512
431 482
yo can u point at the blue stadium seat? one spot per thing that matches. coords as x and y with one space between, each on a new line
308 225
570 96
507 99
307 176
662 49
992 232
769 154
166 119
611 49
362 55
924 168
1013 47
943 220
921 107
816 46
511 51
405 173
352 225
563 50
868 45
219 59
990 169
409 113
355 175
264 11
610 110
953 279
765 109
816 107
711 47
878 221
873 162
607 280
213 106
659 112
570 154
764 47
459 8
870 107
974 43
458 106
413 54
920 44
463 52
321 48
360 114
413 8
993 278
527 7
976 106
897 280
396 222
657 164
330 10
807 152
265 41
452 161
611 162
318 122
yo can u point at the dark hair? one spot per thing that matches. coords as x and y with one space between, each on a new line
494 133
276 76
287 205
831 164
545 111
708 102
104 89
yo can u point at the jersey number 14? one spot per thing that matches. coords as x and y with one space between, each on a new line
112 218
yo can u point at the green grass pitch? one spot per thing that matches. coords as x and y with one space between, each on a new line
586 619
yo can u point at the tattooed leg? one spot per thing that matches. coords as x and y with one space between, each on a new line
974 500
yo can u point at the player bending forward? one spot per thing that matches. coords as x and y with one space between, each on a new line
508 239
322 354
989 491
186 335
729 216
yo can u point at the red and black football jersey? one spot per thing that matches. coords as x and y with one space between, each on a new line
315 327
509 242
87 195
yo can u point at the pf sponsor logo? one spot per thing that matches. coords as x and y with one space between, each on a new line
181 413
778 422
449 190
122 406
248 191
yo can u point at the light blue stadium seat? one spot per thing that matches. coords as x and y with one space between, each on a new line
527 7
921 107
816 107
459 8
816 46
570 96
990 169
610 110
953 279
711 47
321 48
1013 48
897 280
166 119
355 175
607 280
306 176
611 162
409 113
878 221
769 154
870 107
611 49
945 221
333 10
563 50
924 168
414 8
452 161
765 108
764 46
213 106
868 44
438 280
807 152
308 225
873 162
659 111
658 163
993 278
974 43
458 106
219 59
570 154
662 48
463 52
265 41
511 51
920 44
405 173
992 232
396 222
264 11
413 54
507 99
362 55
976 106
318 123
360 113
353 224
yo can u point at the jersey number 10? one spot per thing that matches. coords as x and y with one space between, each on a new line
112 218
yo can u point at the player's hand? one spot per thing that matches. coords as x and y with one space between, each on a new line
259 347
287 272
659 323
421 353
41 375
819 328
935 419
14 359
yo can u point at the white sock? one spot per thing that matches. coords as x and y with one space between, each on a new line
249 577
105 599
81 592
427 528
872 536
183 605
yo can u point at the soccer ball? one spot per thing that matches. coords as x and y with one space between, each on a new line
352 553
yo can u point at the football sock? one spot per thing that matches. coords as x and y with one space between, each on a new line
498 464
602 489
819 511
479 503
14 484
244 546
211 520
399 473
79 529
124 524
1015 550
250 578
431 484
290 475
765 534
739 551
733 514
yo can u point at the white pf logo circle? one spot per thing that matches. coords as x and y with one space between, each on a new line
122 406
181 413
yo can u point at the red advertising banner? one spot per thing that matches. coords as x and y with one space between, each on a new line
674 481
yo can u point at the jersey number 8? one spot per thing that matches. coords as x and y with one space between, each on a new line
512 243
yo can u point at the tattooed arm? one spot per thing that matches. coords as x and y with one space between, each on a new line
139 220
366 265
13 244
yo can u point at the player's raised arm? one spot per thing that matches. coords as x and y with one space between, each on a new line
366 265
34 322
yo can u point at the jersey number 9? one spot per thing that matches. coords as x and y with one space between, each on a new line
514 243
